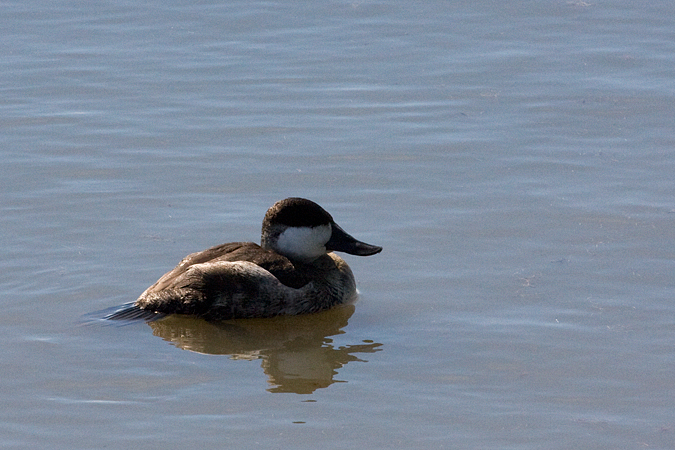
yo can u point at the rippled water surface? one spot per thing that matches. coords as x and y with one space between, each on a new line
514 159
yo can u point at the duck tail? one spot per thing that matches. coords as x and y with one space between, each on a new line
131 311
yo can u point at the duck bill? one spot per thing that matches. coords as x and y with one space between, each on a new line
340 241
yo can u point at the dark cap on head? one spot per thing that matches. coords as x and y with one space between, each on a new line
297 212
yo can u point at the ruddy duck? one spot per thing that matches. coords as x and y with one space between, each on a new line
291 272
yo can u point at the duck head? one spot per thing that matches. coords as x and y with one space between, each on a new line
301 230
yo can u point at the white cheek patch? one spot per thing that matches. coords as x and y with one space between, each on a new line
304 243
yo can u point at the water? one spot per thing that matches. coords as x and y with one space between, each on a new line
514 160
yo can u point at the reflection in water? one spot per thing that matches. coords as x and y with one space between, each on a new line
296 351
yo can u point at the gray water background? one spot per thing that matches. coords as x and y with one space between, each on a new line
514 159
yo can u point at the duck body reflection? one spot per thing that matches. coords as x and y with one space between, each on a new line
297 353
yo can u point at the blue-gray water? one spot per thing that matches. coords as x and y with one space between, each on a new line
514 159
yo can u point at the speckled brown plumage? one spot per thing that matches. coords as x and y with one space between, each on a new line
219 284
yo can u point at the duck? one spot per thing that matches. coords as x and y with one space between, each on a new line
293 271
